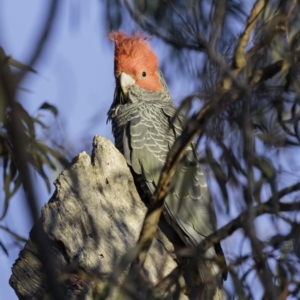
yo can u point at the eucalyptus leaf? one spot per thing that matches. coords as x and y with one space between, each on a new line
50 107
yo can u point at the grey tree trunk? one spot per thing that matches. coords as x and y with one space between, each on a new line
92 220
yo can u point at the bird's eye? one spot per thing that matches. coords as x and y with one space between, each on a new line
144 74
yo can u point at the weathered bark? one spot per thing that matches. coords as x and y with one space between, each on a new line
93 219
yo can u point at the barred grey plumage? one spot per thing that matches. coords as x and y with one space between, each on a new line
145 125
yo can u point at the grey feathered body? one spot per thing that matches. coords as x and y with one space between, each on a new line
145 127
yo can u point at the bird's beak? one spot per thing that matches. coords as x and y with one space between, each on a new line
126 82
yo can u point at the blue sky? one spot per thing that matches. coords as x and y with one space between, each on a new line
75 74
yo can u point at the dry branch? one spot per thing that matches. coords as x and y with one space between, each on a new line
239 57
267 207
93 219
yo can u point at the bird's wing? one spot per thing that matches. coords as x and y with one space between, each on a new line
147 139
189 202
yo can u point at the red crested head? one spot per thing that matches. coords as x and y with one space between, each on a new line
134 57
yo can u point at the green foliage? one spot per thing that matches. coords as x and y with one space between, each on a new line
40 155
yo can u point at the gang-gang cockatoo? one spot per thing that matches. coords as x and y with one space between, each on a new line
145 124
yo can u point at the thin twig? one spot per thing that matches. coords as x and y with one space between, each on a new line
228 229
15 235
238 222
261 264
287 19
217 20
239 59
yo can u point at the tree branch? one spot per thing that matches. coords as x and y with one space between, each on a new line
239 59
239 222
91 223
227 230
